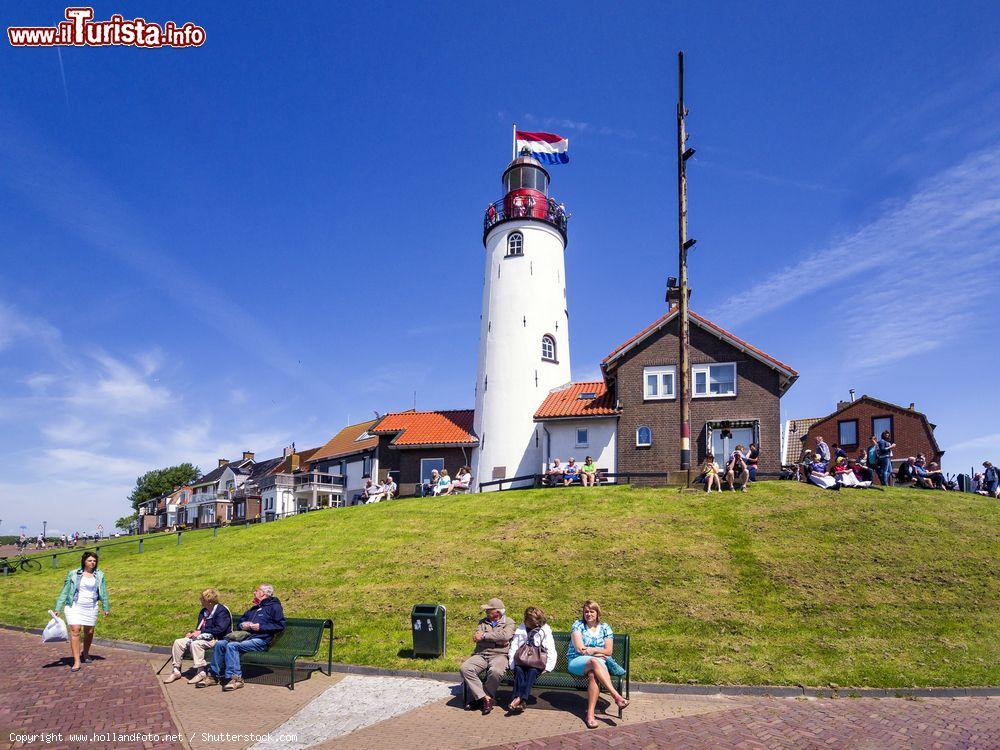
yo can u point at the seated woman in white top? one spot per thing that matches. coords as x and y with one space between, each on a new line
462 480
535 631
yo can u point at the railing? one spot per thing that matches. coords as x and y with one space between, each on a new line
525 207
538 480
320 480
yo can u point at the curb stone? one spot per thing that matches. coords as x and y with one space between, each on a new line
662 688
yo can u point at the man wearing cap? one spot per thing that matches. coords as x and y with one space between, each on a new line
493 635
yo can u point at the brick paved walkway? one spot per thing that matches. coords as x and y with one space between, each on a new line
117 693
804 724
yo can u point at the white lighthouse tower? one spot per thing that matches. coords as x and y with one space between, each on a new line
524 334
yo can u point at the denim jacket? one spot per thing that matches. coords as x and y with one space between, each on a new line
71 588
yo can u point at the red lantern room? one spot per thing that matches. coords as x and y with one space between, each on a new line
526 196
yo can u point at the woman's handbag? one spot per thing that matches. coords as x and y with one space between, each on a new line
238 635
530 655
614 667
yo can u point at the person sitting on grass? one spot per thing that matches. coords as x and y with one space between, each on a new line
553 477
430 485
213 623
906 474
462 481
571 472
737 474
389 487
936 477
710 473
819 476
444 484
591 643
753 461
372 492
844 475
255 630
588 472
534 631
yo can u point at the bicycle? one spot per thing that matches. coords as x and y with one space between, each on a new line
27 564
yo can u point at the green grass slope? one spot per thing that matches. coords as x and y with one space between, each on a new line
785 584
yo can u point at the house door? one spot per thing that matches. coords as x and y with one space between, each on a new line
723 447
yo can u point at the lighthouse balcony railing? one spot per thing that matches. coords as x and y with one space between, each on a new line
519 207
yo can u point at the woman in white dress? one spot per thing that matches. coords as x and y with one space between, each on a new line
84 589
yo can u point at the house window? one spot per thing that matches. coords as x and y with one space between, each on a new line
847 432
658 382
366 466
515 244
548 348
582 436
714 380
880 425
643 437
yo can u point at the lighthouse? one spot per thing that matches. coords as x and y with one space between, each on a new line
524 331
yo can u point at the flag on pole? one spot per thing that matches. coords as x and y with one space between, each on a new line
548 148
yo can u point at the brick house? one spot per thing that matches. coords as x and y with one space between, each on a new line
736 392
414 443
853 423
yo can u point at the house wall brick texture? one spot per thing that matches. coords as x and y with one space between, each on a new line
757 398
910 430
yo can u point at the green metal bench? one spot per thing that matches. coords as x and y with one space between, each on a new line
300 638
560 679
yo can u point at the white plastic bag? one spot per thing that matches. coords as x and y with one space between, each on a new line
55 630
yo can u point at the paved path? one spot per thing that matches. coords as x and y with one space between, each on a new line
804 724
116 693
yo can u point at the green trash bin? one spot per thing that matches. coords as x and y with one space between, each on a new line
429 623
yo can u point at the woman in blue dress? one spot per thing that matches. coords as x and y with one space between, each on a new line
591 643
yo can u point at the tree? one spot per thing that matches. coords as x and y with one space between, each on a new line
161 481
125 523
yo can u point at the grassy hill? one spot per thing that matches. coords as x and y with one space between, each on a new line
785 584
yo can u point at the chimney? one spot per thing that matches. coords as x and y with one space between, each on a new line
289 450
248 455
913 406
223 461
293 462
852 395
842 404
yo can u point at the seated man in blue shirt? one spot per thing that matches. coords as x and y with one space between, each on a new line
262 622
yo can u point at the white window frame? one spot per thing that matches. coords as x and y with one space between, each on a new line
552 339
707 370
585 443
510 245
640 444
659 371
857 432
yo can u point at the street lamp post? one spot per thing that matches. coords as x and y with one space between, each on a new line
44 524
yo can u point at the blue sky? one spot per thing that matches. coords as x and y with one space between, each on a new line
250 243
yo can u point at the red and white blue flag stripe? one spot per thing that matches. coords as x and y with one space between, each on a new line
548 148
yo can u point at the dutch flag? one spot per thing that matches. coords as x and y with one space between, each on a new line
548 148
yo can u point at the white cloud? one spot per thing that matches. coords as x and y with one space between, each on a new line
120 388
15 326
927 256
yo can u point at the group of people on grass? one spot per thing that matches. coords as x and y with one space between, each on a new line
529 650
377 491
441 483
741 468
63 540
560 475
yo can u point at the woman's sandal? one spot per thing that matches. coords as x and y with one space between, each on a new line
623 705
74 669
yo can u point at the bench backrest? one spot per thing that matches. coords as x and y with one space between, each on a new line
301 636
619 650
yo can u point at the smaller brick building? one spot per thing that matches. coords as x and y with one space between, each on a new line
853 423
736 392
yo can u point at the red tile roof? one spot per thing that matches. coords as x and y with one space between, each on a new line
708 325
566 402
343 443
428 428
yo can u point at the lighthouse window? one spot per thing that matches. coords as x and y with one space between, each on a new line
548 348
515 244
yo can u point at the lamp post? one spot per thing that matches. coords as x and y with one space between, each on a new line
44 524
